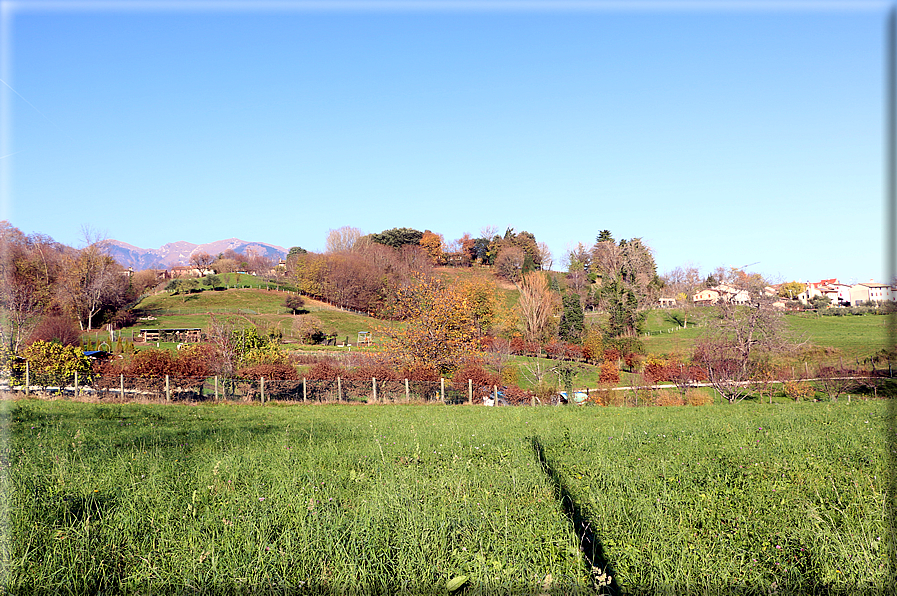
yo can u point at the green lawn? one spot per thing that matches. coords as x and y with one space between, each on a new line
107 498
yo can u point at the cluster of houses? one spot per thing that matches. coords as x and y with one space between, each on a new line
861 294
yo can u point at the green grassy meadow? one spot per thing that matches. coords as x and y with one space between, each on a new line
108 498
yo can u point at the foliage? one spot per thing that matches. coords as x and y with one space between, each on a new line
818 302
309 330
294 302
622 306
610 374
51 363
397 237
270 372
735 343
56 328
791 290
536 307
572 319
481 379
798 390
439 331
266 354
433 246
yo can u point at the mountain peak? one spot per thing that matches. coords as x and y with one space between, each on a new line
172 254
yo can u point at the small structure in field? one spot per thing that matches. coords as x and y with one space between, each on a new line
173 335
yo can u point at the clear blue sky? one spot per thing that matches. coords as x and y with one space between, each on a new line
725 135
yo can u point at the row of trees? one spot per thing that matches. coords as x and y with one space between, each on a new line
41 278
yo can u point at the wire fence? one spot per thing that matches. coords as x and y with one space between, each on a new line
225 389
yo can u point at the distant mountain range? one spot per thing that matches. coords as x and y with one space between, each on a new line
178 253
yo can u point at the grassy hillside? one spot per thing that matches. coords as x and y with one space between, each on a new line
256 306
851 337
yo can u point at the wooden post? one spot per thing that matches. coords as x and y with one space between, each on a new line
807 369
304 394
494 395
121 385
27 377
374 385
339 389
76 383
442 389
167 389
216 387
407 391
263 389
470 391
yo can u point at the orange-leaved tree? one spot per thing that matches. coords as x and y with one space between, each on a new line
437 330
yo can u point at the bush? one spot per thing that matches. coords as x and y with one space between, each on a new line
309 330
668 398
326 370
610 374
123 318
51 363
58 329
797 391
479 376
695 397
270 372
655 370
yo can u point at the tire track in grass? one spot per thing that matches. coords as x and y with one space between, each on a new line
604 577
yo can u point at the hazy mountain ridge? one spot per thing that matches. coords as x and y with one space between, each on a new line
178 253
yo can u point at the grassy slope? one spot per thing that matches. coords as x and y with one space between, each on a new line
853 336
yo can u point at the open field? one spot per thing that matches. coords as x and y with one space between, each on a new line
211 499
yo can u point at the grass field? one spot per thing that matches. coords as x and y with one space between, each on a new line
213 499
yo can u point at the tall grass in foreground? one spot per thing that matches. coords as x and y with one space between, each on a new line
339 499
224 498
791 499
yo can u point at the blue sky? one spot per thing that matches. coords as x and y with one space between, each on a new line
723 135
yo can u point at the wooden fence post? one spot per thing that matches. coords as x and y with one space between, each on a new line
27 377
304 394
470 391
494 395
442 389
339 389
407 391
167 389
76 383
121 385
216 387
263 389
374 384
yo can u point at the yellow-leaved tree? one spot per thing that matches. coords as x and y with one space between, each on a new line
437 330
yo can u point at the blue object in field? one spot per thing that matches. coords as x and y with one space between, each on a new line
579 397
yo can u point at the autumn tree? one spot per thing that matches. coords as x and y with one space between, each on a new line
536 307
342 239
736 342
484 303
433 245
91 281
791 290
202 261
510 263
439 332
29 270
